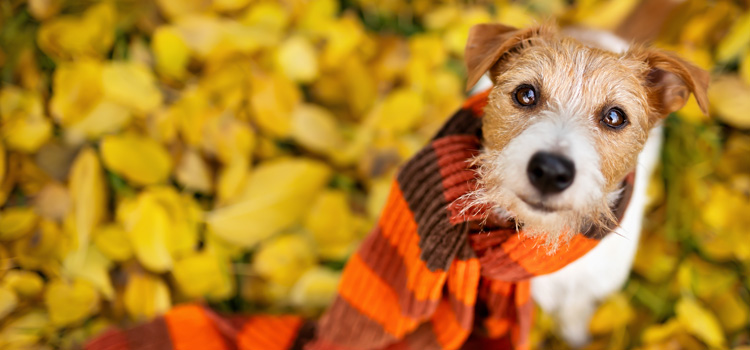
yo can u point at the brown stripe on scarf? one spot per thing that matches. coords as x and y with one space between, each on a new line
421 184
384 260
150 336
359 331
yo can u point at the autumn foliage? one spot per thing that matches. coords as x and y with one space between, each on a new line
235 152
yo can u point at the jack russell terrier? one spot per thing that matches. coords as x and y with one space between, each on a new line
570 114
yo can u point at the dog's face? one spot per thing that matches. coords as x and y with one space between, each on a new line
565 122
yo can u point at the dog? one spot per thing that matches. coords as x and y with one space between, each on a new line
570 114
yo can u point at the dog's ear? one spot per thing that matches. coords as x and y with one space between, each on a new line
671 80
487 44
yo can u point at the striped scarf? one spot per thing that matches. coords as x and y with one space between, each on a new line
429 275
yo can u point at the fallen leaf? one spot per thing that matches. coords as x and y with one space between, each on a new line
8 301
132 85
283 259
16 222
276 195
146 297
730 97
70 303
700 322
25 284
138 159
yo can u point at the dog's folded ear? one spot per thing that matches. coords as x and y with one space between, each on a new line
672 79
488 43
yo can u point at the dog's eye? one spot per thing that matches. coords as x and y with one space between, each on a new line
614 118
525 95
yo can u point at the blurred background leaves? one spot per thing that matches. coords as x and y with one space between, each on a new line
235 152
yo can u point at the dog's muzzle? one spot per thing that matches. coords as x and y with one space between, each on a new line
550 173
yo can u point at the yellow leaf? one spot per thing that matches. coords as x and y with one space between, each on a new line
660 332
25 128
104 118
231 180
700 322
8 301
517 15
70 303
184 215
316 13
27 135
284 259
331 223
41 250
227 138
25 284
147 224
731 310
270 16
705 280
136 158
87 191
112 241
297 59
171 52
428 47
736 41
24 332
316 288
273 99
400 111
215 39
341 39
16 222
132 85
606 14
203 274
146 296
315 128
90 35
456 35
730 97
656 258
440 17
193 172
276 196
93 268
359 84
76 90
615 313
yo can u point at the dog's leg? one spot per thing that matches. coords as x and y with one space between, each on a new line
572 294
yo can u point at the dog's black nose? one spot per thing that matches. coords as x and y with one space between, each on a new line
550 173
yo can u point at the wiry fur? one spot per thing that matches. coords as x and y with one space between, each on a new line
576 84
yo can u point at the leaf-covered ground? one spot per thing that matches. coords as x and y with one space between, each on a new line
236 152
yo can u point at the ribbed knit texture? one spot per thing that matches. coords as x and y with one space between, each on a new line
429 276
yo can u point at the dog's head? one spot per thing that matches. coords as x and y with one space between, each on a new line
566 121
